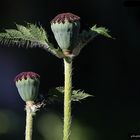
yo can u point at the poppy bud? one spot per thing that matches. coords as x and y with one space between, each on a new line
66 27
27 84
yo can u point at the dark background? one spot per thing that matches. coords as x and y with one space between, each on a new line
108 69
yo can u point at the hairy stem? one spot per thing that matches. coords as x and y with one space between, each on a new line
67 99
29 120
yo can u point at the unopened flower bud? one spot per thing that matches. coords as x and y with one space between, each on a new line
66 27
27 84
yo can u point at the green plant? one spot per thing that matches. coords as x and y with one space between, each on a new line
66 32
27 84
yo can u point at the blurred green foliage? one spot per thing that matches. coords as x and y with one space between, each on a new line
48 126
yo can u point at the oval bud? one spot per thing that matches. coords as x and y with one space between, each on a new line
27 84
66 27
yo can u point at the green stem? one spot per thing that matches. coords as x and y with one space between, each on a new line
67 99
29 121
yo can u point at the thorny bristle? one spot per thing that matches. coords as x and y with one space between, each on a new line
25 75
61 18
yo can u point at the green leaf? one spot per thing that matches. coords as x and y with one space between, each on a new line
13 33
30 35
84 38
38 32
78 95
101 31
87 36
57 94
25 32
22 34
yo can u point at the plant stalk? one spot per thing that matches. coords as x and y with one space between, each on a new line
29 120
67 98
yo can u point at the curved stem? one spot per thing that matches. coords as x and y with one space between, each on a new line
67 99
29 121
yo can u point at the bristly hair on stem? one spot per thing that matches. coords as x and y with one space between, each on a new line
28 36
